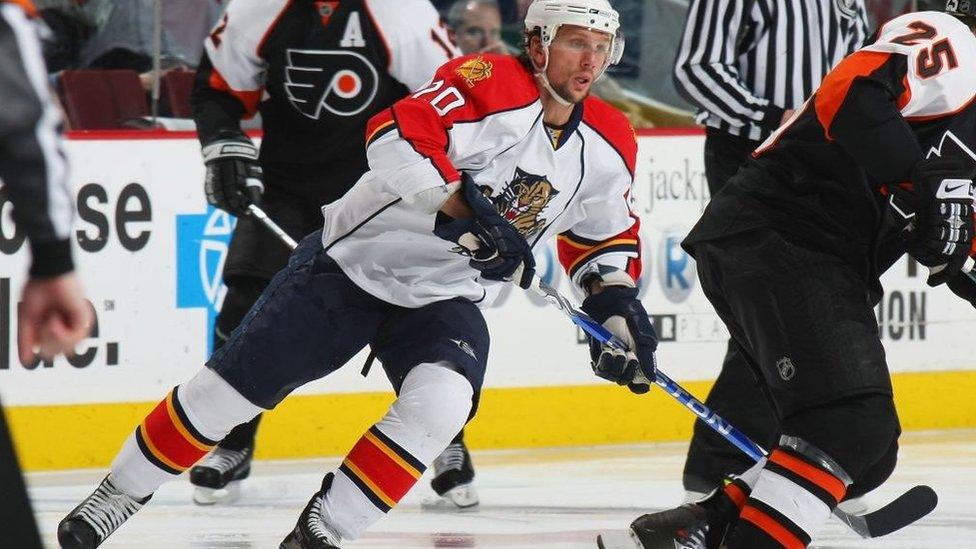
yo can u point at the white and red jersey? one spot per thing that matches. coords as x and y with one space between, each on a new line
482 115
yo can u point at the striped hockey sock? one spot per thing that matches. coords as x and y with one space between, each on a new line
792 499
179 431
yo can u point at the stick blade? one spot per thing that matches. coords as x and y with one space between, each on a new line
906 509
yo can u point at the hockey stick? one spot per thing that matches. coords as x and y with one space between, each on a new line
259 214
904 510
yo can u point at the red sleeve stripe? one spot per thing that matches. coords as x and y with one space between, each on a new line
27 6
833 91
248 98
573 257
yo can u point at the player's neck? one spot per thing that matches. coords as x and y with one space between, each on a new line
554 113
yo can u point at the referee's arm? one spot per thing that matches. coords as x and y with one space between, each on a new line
32 163
705 71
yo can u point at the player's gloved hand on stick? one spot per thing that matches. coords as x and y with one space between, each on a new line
942 226
619 310
498 250
233 179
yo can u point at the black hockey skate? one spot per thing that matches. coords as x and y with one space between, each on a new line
217 478
453 479
100 514
311 532
699 525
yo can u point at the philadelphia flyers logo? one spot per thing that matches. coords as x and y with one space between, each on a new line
341 82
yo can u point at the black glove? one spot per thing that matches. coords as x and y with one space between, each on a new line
621 312
233 179
941 212
500 252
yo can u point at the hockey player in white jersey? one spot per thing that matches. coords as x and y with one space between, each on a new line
510 151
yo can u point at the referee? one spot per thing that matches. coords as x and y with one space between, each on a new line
746 64
53 315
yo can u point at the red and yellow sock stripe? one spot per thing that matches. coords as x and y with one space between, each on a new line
168 439
382 470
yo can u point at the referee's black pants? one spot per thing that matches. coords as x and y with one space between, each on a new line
17 526
736 395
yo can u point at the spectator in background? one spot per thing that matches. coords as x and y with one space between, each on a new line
476 26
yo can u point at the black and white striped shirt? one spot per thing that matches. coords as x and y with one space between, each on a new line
742 62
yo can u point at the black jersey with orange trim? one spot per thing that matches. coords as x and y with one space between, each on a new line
482 115
908 95
316 71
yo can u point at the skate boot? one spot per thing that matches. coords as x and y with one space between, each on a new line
217 478
453 478
100 514
698 525
312 532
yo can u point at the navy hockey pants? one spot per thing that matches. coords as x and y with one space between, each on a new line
312 319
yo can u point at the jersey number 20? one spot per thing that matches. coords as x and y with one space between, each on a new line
444 102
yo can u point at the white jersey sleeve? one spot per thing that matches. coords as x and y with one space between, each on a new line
940 54
234 44
415 39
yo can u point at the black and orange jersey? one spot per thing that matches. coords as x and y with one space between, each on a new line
316 71
907 95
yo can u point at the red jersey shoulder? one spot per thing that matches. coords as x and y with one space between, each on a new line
613 126
489 83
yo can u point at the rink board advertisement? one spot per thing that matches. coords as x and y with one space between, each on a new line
150 252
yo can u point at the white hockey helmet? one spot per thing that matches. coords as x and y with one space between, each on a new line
597 15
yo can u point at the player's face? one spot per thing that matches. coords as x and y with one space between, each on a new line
576 56
480 30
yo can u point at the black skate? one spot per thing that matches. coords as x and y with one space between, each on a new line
699 525
100 514
217 478
453 479
311 532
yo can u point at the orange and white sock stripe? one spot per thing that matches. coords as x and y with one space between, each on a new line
792 499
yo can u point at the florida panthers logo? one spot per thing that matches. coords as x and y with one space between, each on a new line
341 82
523 200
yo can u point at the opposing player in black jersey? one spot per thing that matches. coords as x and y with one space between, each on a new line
879 161
316 71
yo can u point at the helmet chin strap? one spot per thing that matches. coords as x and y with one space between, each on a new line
540 73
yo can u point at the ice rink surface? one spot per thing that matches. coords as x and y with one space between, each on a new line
540 499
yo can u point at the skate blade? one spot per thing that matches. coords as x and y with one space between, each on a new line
213 496
622 539
459 498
